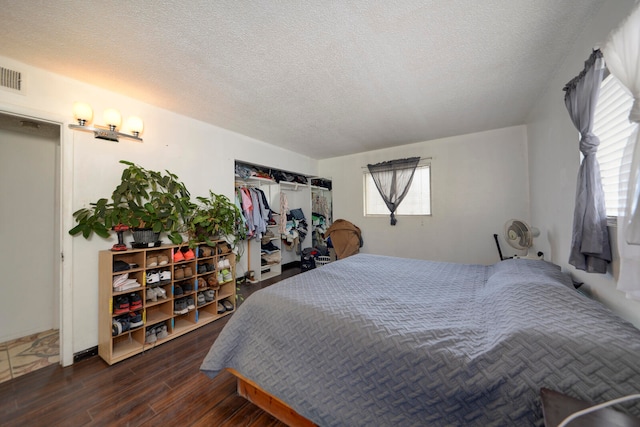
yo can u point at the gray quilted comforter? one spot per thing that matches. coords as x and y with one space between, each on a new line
381 341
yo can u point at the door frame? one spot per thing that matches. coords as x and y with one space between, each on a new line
65 242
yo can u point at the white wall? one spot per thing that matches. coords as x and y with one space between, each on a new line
554 161
478 181
200 154
27 187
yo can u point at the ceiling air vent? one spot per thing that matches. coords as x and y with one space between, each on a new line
10 79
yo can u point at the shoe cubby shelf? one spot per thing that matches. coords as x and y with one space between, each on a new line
152 295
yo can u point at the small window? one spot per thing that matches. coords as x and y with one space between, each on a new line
611 124
416 202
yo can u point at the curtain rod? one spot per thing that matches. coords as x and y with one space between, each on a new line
421 162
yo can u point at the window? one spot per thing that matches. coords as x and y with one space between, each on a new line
416 202
611 124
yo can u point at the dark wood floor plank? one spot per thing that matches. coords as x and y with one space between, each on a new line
162 386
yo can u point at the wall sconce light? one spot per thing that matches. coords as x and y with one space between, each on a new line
84 114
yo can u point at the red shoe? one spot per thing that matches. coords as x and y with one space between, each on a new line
178 256
189 255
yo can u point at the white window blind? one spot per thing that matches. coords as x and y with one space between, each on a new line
416 202
611 125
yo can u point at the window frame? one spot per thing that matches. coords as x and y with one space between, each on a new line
366 177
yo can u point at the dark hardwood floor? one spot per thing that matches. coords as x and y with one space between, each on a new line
161 387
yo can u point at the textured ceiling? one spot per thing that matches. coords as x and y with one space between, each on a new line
322 78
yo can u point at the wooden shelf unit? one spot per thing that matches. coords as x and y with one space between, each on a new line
114 348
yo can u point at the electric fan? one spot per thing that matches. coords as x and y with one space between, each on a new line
519 235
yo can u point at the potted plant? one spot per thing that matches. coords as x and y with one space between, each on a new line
146 201
216 217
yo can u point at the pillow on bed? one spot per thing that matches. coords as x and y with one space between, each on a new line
527 270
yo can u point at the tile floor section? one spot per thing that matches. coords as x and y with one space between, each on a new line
24 355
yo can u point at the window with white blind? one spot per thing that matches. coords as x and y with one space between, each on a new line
416 202
611 124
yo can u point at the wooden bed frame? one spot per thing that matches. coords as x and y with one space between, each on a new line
268 403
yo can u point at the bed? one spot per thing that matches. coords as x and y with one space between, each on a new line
376 340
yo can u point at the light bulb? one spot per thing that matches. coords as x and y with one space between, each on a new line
112 118
82 113
135 125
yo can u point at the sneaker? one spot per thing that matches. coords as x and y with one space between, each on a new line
165 277
121 305
177 290
187 287
202 269
161 293
211 267
135 320
179 273
227 305
153 277
180 306
212 281
135 302
201 299
190 304
189 255
161 332
116 327
124 322
163 260
188 272
151 295
202 284
152 261
209 295
150 336
220 277
178 256
227 275
220 308
205 251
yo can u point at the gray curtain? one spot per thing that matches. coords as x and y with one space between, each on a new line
393 179
590 247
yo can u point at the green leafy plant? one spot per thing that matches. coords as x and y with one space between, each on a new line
216 217
143 199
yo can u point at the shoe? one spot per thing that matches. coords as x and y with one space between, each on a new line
163 260
211 267
212 281
209 295
177 290
135 320
220 264
124 322
220 308
187 287
178 274
165 277
135 302
150 336
180 307
121 305
178 256
202 269
153 277
189 255
205 251
202 284
190 304
201 299
152 261
116 327
161 293
151 294
227 305
161 332
227 275
220 277
188 272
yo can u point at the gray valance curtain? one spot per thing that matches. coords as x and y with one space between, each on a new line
590 247
393 179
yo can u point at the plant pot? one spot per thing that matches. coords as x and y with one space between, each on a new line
145 238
